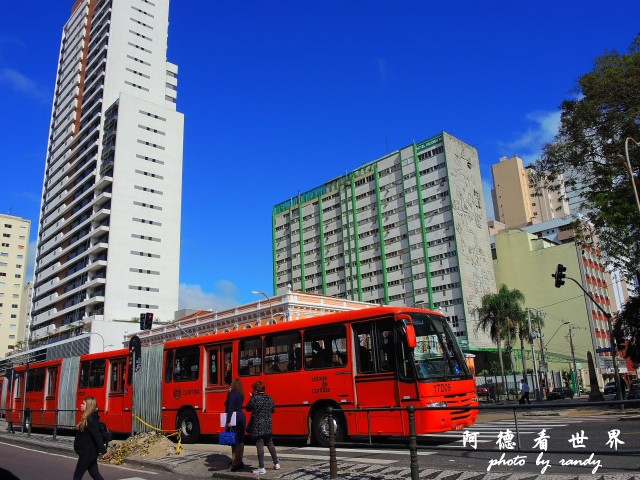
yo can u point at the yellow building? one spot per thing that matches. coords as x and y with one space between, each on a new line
14 247
526 262
516 203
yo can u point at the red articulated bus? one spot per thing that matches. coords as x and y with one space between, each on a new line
385 358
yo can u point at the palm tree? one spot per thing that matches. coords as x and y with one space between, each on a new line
501 315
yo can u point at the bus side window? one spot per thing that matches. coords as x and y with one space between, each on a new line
324 347
96 374
250 357
386 346
363 345
52 384
186 364
84 375
280 352
228 366
213 367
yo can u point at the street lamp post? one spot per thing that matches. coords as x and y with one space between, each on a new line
629 168
258 292
554 333
101 337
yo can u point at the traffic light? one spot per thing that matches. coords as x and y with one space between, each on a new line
149 322
560 275
146 321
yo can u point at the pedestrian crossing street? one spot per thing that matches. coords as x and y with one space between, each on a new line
489 431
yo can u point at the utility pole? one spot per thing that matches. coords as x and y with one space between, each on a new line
573 358
536 386
559 281
543 361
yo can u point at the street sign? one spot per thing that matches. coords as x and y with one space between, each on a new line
544 368
135 351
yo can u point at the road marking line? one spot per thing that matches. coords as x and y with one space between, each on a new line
345 459
365 450
74 458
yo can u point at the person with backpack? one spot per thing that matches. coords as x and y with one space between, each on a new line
88 443
261 407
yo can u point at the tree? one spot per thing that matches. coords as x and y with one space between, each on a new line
626 329
499 315
588 152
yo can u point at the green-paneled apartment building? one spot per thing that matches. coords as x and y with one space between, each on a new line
407 229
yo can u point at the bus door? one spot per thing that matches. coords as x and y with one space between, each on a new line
116 412
219 371
51 395
376 379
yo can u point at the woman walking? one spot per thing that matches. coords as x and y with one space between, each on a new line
233 404
262 406
88 442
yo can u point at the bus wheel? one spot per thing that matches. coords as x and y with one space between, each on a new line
188 426
320 427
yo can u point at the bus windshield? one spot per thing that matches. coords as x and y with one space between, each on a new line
437 355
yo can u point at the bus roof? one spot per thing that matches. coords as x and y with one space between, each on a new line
331 318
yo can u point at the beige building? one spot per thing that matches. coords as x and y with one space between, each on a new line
287 307
526 262
516 203
14 232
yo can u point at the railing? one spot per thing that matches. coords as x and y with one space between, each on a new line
413 442
28 419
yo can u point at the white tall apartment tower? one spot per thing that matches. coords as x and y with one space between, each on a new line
14 250
407 229
109 231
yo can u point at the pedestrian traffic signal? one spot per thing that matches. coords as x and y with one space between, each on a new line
149 323
146 321
560 275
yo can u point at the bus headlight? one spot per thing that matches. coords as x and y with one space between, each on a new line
436 404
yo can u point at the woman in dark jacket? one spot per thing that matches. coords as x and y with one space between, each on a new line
261 407
233 404
88 442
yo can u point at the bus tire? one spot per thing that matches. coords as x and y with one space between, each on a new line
320 427
188 426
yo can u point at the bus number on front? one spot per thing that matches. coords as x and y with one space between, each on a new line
442 387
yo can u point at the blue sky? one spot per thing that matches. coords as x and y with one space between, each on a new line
281 96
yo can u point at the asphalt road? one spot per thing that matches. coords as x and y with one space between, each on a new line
451 455
28 463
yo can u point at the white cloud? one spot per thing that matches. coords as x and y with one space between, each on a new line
20 83
193 297
528 145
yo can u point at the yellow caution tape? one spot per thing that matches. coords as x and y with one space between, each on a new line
164 432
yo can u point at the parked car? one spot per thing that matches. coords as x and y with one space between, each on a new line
482 390
559 393
610 388
634 392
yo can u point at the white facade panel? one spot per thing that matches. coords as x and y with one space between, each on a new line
113 177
